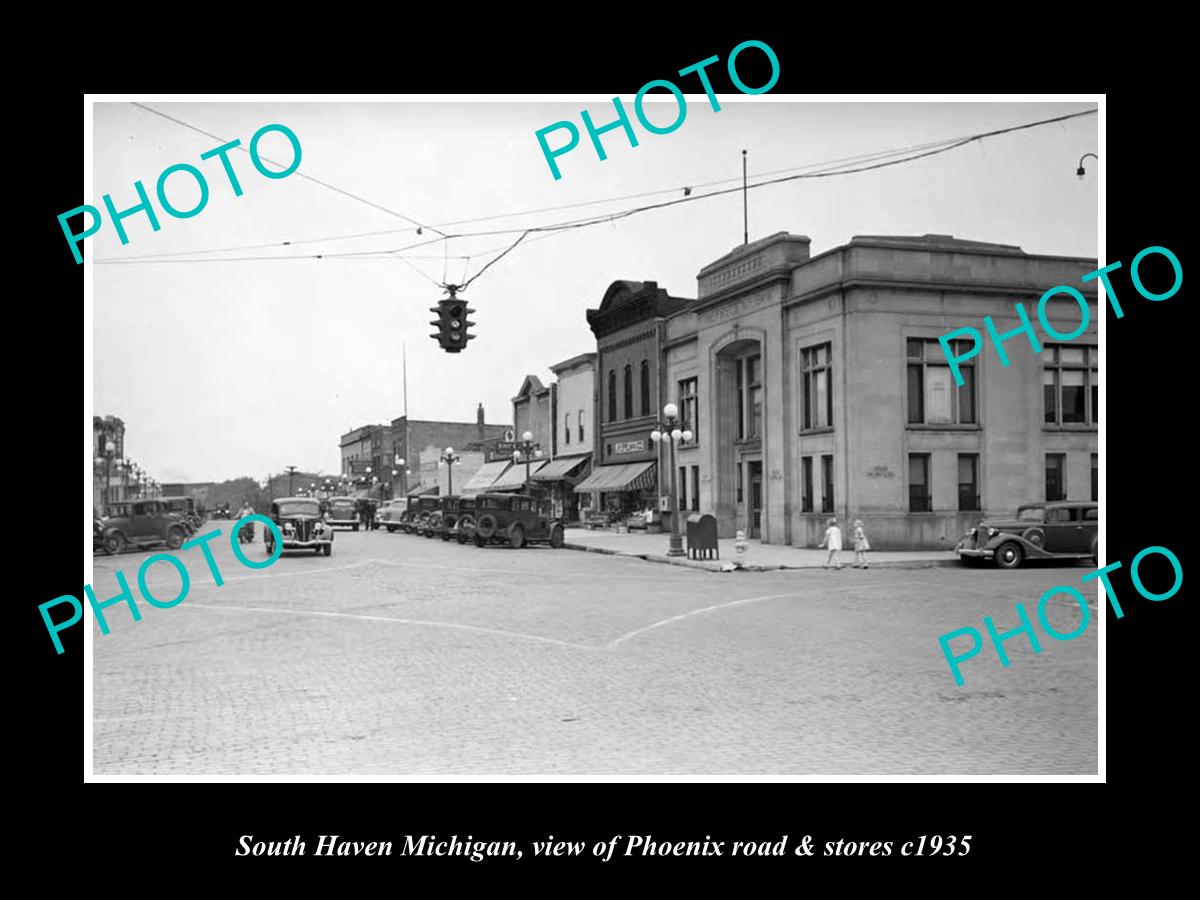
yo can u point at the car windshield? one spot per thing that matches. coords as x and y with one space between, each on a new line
1031 513
298 508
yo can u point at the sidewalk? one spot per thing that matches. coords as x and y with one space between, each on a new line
758 557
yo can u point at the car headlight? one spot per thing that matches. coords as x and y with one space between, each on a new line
992 532
319 527
287 528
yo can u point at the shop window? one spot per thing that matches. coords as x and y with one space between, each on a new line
933 397
806 484
689 407
612 396
920 497
968 481
1056 476
695 488
645 387
1071 384
629 392
1095 477
826 484
816 393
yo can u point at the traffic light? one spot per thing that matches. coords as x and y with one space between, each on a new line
452 323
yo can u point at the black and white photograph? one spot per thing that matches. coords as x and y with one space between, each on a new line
674 436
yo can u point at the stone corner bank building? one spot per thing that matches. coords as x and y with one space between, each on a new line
816 387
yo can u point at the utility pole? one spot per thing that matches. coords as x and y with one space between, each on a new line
291 471
745 205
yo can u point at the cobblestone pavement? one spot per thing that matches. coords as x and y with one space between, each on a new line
402 656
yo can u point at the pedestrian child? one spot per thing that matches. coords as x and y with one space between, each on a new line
861 544
832 540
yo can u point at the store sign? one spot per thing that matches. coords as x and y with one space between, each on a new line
630 447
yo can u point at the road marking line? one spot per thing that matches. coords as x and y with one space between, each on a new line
334 615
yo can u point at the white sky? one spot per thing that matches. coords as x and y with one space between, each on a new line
222 369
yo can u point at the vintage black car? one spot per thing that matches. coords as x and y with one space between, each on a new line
420 513
391 514
516 520
1060 530
463 529
343 511
443 520
299 521
141 524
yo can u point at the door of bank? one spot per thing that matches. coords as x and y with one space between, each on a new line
754 477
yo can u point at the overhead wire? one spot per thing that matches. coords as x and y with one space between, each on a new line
304 175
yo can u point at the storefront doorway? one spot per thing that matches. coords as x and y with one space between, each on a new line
754 508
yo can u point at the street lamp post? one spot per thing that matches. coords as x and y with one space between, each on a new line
403 467
668 430
449 459
529 453
109 449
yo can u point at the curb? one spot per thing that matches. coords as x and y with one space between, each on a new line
715 565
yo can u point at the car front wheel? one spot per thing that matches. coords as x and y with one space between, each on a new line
1009 555
175 538
556 537
114 543
516 537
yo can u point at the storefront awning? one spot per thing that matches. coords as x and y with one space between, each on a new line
629 477
515 476
563 467
483 478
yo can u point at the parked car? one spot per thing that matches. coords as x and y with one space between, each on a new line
391 514
1060 530
141 524
443 520
221 511
299 521
463 529
515 519
426 506
343 511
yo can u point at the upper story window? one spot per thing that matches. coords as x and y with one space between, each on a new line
1071 384
933 398
645 387
581 426
629 392
567 429
612 395
750 397
689 407
817 368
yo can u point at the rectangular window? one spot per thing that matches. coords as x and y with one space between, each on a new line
689 407
1095 477
968 481
695 488
682 488
806 484
737 479
567 429
755 395
826 484
1071 384
817 368
580 420
741 401
933 397
920 497
1056 480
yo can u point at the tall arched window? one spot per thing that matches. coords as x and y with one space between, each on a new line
628 392
645 387
612 395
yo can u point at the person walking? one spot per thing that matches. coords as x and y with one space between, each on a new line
832 540
247 532
861 544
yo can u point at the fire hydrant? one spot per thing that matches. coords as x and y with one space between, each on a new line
739 542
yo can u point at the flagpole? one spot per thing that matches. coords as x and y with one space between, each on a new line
745 206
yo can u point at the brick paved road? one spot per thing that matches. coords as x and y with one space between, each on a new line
405 656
